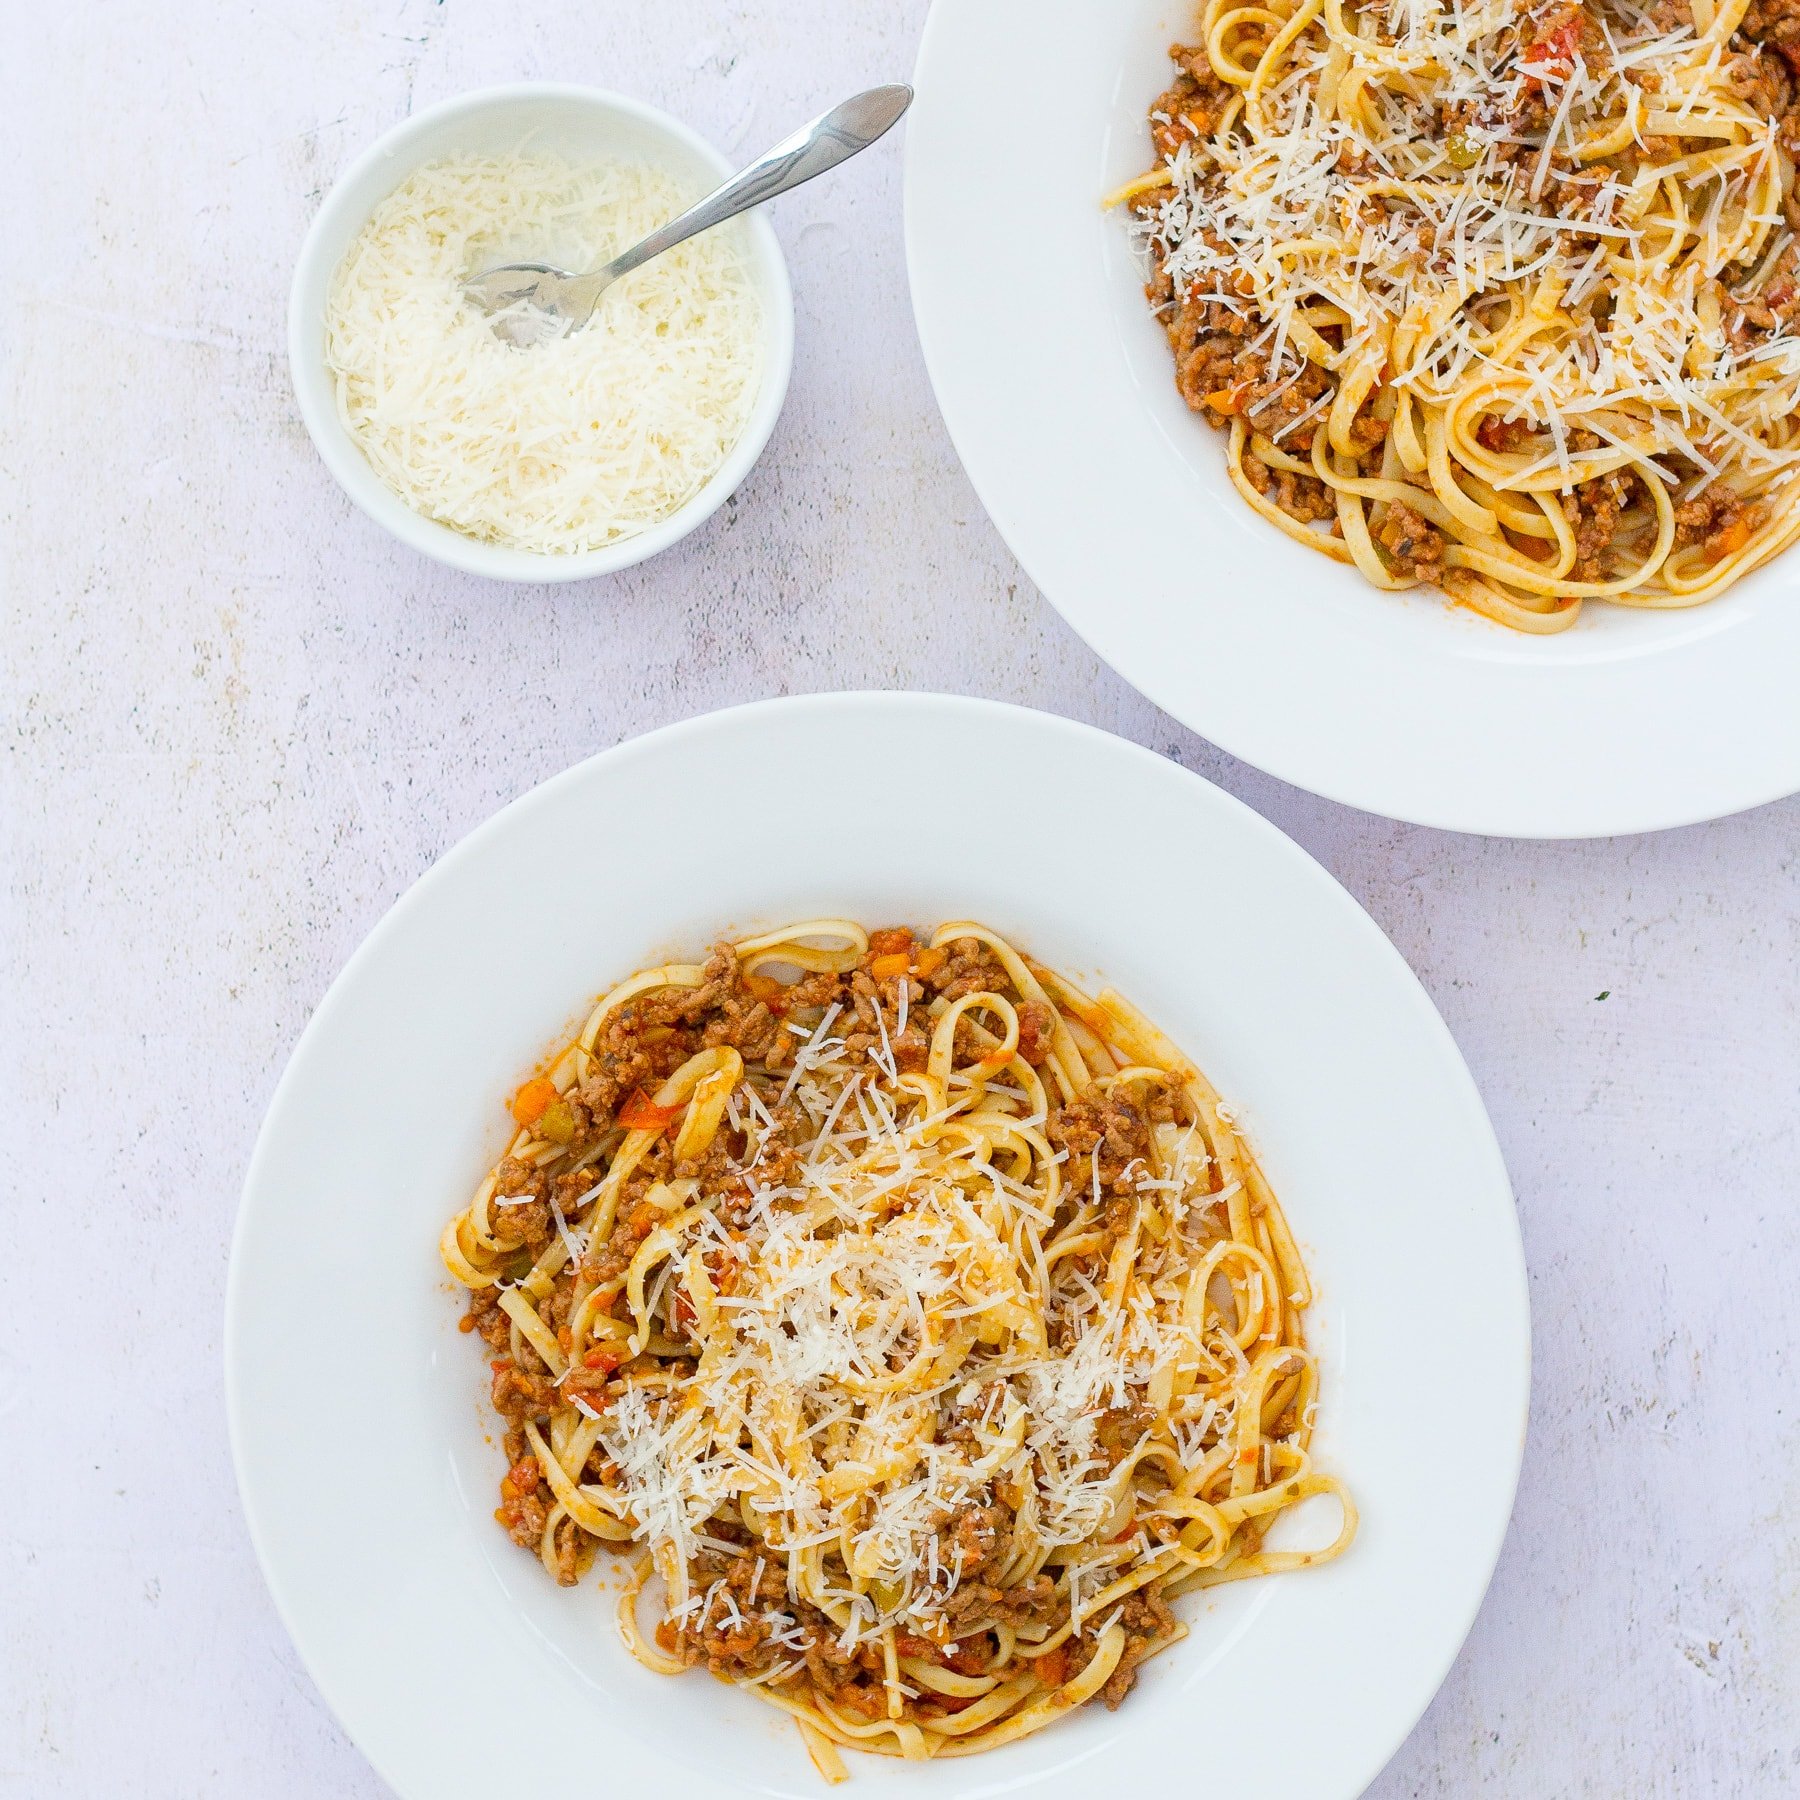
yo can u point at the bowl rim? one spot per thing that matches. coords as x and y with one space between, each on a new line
324 244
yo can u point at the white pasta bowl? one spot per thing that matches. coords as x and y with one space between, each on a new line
1057 388
577 123
365 1447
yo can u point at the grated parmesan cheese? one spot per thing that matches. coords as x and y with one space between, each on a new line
558 446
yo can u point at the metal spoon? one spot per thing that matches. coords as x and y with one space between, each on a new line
568 301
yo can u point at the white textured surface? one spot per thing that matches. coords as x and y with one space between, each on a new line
235 723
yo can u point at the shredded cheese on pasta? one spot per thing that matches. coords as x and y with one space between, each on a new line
1482 210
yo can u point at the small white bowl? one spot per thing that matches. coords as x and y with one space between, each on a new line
575 122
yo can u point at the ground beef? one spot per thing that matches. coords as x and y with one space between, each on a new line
876 1033
1107 1130
519 1213
1119 1430
1192 106
1769 82
746 1637
634 1220
976 1541
1414 547
979 1606
1273 405
1719 518
1775 23
1764 80
1210 341
1595 509
1148 1624
519 1393
969 968
1035 1022
1303 497
484 1315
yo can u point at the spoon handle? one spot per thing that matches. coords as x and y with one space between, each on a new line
832 138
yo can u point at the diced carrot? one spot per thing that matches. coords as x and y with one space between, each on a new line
643 1218
768 990
641 1113
1729 541
930 960
529 1102
1226 400
1052 1668
885 968
466 1322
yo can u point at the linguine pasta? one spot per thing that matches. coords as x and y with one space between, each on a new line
1496 296
921 1326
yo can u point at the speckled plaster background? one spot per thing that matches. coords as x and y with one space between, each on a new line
236 722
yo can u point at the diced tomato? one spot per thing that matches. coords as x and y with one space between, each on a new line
1501 435
529 1102
1052 1668
641 1113
606 1360
1556 49
895 941
521 1479
953 1703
